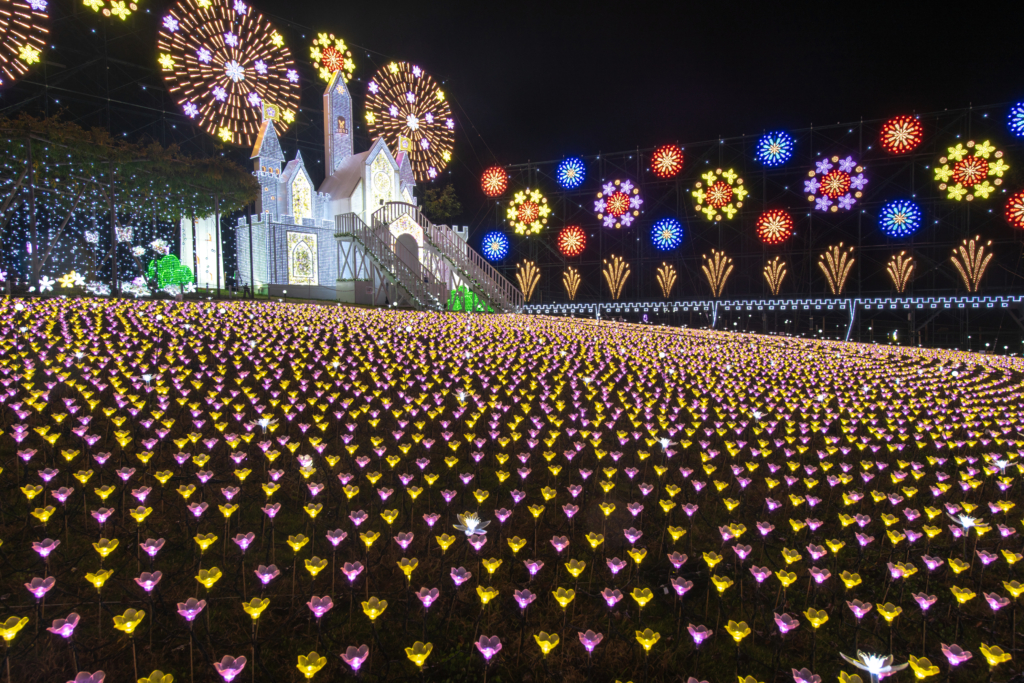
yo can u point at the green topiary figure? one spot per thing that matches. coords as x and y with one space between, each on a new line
169 271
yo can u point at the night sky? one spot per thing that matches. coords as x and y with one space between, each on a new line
537 81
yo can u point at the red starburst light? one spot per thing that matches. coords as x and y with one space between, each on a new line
494 181
1015 210
970 171
835 184
719 194
666 161
528 212
572 240
901 134
618 204
774 226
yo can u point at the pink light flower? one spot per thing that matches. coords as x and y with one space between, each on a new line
355 656
64 628
229 667
590 640
489 646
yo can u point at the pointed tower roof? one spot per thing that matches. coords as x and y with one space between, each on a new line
267 146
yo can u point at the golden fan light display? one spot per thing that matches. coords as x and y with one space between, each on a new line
528 275
407 108
666 276
971 261
571 281
717 270
615 274
228 68
774 272
900 267
836 263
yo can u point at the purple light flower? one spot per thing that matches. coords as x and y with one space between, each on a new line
524 598
611 596
352 570
148 581
191 608
230 667
355 656
615 565
489 646
427 596
955 654
267 574
786 623
460 575
859 608
64 628
681 585
337 536
40 587
805 676
320 606
151 547
590 640
45 547
244 540
86 677
699 633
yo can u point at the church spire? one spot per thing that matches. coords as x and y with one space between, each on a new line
267 150
337 123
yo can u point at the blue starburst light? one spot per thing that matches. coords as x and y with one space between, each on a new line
667 234
900 218
495 246
1015 120
774 149
570 173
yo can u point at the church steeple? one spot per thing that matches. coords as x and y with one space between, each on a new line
267 150
337 123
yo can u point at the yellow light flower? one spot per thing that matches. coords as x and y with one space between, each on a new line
546 641
535 510
721 582
157 677
1014 588
785 578
889 611
647 638
373 608
486 594
738 631
607 508
205 540
576 567
389 516
105 546
419 652
638 554
313 509
208 577
99 578
254 608
923 668
816 617
712 558
129 621
44 514
408 566
140 513
642 596
676 532
563 596
10 628
849 579
491 565
445 541
994 655
962 595
315 565
310 664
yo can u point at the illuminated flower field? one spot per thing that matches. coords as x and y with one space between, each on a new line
466 497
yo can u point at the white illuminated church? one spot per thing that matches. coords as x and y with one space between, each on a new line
360 237
293 231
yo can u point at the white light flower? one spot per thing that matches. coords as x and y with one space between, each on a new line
471 524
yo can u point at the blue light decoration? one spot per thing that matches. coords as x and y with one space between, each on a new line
570 173
667 234
1015 121
774 149
495 246
900 218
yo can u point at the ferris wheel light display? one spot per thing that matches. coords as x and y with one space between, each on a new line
331 55
901 134
900 218
667 234
667 161
228 68
775 149
774 226
494 181
23 31
572 240
407 108
570 173
495 246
